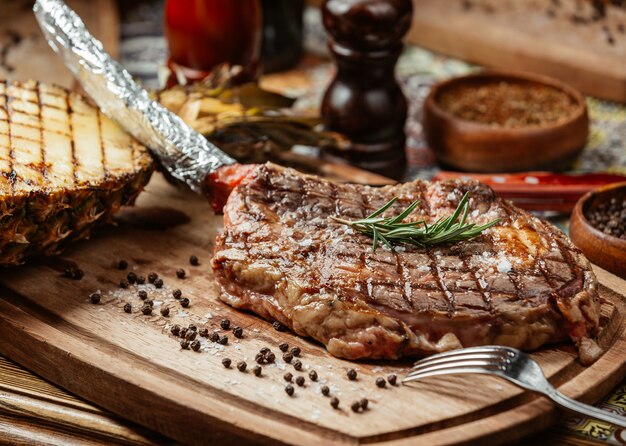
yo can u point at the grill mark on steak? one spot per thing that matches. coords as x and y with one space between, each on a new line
328 284
407 292
439 281
484 289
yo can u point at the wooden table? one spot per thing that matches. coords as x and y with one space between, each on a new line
33 411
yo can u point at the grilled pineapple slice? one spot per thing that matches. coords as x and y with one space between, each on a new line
64 169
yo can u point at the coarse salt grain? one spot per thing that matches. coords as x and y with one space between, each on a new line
504 266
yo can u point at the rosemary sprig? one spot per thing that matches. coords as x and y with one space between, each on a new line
391 230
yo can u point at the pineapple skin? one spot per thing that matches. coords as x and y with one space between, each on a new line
39 217
43 224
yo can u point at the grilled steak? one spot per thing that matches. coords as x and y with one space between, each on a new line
520 283
64 168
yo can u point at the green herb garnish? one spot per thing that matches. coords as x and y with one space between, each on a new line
391 230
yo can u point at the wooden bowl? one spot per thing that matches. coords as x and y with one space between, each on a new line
476 147
604 250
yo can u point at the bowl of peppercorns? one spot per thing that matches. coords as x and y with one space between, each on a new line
502 121
598 227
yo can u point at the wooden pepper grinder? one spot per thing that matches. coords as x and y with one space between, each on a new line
364 101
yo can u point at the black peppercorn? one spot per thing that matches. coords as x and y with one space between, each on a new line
204 332
257 370
165 311
94 298
380 382
270 357
215 336
131 277
184 344
238 332
195 345
297 365
325 390
143 294
288 377
183 332
364 403
184 302
150 302
356 406
313 375
141 280
152 277
192 327
259 358
300 381
223 340
287 357
351 374
124 283
177 294
158 283
334 402
241 366
122 264
128 308
289 389
279 327
225 324
191 335
74 273
175 329
226 362
146 310
295 351
193 260
392 379
264 351
180 273
283 347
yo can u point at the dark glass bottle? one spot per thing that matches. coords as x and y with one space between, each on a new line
364 101
202 34
281 47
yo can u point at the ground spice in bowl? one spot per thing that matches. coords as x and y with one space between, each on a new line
508 103
610 217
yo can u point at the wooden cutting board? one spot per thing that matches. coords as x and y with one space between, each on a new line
131 365
530 35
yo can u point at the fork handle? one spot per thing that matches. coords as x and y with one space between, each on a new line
587 410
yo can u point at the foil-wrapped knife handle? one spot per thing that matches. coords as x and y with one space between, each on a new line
186 154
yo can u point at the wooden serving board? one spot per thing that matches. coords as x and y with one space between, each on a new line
530 35
131 365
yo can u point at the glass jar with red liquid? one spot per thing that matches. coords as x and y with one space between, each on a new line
202 34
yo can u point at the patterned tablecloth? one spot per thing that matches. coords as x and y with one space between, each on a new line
143 52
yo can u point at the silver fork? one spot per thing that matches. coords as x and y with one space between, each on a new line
510 364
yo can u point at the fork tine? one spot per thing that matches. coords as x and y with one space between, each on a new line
454 364
460 356
471 350
450 371
468 350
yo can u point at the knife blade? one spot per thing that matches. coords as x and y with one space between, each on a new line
186 154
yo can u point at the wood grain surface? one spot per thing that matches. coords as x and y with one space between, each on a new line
36 412
131 365
530 35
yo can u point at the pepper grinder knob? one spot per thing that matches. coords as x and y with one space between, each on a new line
364 100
